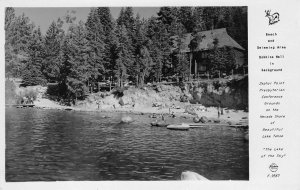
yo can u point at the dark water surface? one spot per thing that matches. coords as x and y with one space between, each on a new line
54 145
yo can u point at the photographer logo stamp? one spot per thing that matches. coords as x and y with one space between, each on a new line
274 18
273 167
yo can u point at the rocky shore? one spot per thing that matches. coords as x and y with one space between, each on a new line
222 102
172 110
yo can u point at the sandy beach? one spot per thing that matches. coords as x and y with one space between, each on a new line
229 115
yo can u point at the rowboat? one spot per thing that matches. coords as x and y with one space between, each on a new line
182 127
159 124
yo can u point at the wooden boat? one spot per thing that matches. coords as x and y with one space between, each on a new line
159 124
201 125
23 105
68 109
182 127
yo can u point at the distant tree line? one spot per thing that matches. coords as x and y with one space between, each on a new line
77 54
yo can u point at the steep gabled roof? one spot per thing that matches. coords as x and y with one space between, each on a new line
208 37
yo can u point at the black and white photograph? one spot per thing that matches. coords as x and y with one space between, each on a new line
126 93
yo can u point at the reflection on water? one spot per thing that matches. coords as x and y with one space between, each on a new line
54 145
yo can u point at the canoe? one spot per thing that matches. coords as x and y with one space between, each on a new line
182 127
68 109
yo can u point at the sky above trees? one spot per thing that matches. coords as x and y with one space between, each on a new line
43 17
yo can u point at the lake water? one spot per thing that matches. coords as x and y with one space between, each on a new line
56 145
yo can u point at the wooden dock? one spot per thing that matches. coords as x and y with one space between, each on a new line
201 125
20 105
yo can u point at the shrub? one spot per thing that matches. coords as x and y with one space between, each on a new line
118 92
53 90
216 85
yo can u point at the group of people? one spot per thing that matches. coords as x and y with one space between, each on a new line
27 100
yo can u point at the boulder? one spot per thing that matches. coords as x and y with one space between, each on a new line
203 119
126 100
156 104
196 119
188 175
126 119
190 110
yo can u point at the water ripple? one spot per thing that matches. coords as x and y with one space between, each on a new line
50 145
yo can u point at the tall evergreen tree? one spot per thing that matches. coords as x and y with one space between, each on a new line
159 47
145 65
120 19
32 73
198 17
109 40
79 72
167 15
143 60
9 27
186 18
51 65
96 42
127 20
18 32
125 57
179 58
9 18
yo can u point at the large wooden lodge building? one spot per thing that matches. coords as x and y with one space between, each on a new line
199 61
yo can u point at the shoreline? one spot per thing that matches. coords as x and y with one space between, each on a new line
211 113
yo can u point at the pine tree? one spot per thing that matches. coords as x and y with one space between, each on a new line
105 19
127 20
145 65
9 18
186 18
159 46
167 15
125 57
32 73
108 25
143 60
65 69
96 42
9 27
198 17
79 71
51 65
179 58
120 19
18 31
